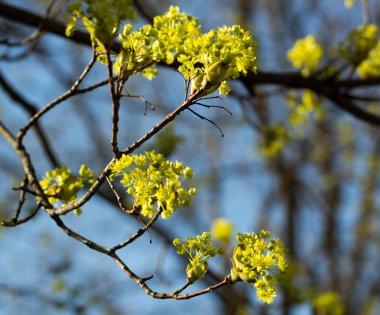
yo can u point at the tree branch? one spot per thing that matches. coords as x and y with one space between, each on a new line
115 96
79 237
172 295
139 233
25 17
72 91
105 172
326 87
15 220
288 79
32 110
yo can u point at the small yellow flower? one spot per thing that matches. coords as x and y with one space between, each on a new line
221 230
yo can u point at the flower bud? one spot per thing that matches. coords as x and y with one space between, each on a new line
120 62
216 72
195 272
196 83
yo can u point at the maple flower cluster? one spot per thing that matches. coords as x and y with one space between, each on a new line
154 182
255 260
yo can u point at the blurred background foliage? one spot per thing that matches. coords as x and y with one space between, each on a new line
290 162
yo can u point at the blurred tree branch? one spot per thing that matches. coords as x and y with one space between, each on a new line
332 88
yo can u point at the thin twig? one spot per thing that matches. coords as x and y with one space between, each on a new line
139 233
210 98
209 120
171 295
32 110
72 91
119 199
26 189
141 281
213 106
182 289
13 223
35 35
21 200
106 171
93 87
187 89
79 237
170 117
27 164
141 97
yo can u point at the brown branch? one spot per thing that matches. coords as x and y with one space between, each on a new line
93 86
32 110
79 237
288 79
106 171
69 93
139 233
333 90
209 120
226 295
7 135
115 96
190 101
171 295
86 197
21 200
27 164
295 80
25 17
118 198
140 281
346 104
15 220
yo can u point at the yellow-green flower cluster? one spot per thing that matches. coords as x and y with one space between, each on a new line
60 185
306 54
209 60
221 230
274 139
349 3
198 250
101 18
306 107
370 67
214 58
154 183
359 43
328 303
255 260
162 41
173 29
